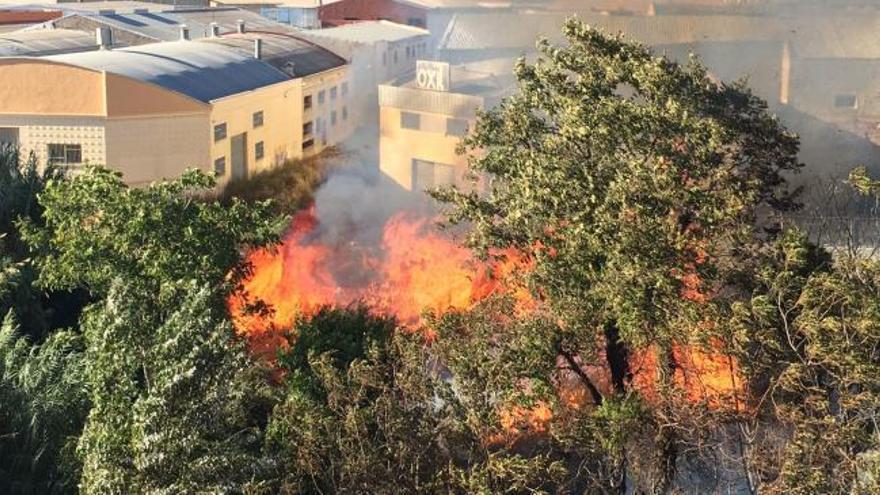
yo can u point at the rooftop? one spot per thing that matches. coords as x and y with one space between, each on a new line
45 42
370 32
203 71
286 52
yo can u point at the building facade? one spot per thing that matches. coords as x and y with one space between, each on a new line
423 118
157 109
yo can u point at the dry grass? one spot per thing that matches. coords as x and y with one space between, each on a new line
292 184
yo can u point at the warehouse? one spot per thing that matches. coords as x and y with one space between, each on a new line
234 104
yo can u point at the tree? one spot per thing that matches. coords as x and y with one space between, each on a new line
178 404
97 230
21 181
44 405
637 187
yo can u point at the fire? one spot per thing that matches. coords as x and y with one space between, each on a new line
415 268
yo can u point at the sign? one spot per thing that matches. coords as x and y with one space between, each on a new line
432 75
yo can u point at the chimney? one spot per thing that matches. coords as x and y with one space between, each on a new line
215 30
184 32
258 48
785 74
104 37
240 26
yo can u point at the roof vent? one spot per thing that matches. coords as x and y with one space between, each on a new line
240 23
104 37
215 30
184 32
258 48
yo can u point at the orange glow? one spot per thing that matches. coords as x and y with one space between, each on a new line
415 269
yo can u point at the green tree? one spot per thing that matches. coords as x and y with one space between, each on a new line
96 230
638 187
43 409
178 403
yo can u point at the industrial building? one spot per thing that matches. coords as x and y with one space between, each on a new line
423 116
234 103
377 51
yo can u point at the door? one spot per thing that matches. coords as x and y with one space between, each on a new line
239 156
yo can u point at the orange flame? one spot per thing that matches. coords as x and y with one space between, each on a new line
416 268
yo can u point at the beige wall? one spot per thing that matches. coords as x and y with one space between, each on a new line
150 148
47 88
398 147
335 134
283 119
280 132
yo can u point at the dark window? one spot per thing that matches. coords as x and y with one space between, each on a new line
307 102
395 56
846 101
220 132
407 52
307 129
384 58
67 154
321 97
344 113
258 119
259 152
456 127
308 143
220 166
409 120
333 93
344 89
333 117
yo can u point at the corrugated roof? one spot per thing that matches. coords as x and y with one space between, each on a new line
370 32
164 25
204 71
286 52
45 42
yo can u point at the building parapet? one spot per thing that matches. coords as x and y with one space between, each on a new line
437 102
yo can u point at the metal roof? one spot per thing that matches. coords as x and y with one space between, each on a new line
165 25
45 42
370 32
287 52
204 71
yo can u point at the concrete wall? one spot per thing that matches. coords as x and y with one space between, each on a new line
398 147
149 148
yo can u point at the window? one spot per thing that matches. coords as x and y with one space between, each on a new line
307 129
344 113
220 166
407 52
258 119
333 93
308 144
344 89
259 152
846 101
321 97
384 58
333 118
319 125
68 154
409 120
395 56
428 175
456 127
307 102
220 132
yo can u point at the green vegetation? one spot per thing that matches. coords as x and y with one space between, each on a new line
291 185
647 199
